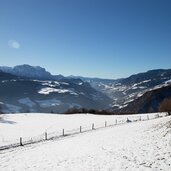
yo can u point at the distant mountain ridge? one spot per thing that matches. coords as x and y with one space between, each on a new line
28 71
156 74
23 94
32 84
124 91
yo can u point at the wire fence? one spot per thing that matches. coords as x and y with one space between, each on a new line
21 141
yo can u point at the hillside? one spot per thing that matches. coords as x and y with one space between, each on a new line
26 88
149 102
134 146
22 94
126 90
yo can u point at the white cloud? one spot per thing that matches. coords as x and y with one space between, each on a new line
14 44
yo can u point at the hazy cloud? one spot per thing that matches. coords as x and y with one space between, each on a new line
14 44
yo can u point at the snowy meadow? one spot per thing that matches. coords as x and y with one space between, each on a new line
35 126
144 144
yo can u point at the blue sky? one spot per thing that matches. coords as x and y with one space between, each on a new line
95 38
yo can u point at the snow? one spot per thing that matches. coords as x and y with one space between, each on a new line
48 90
120 106
4 81
128 101
139 87
64 83
140 94
51 83
41 81
73 93
116 105
26 101
34 125
116 87
160 86
145 81
168 81
48 84
134 87
31 125
141 146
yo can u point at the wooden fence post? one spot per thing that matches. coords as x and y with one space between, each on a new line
80 129
147 117
105 123
63 132
92 126
140 118
116 121
21 143
127 120
45 135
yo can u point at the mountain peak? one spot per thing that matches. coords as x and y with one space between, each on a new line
29 71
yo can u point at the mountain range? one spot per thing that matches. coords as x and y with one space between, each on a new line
28 71
26 88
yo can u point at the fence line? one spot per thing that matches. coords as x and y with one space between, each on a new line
49 136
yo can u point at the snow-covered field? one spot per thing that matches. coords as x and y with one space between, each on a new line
33 126
135 146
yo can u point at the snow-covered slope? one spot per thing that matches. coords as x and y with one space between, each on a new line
70 92
29 125
124 91
139 146
150 101
20 94
34 125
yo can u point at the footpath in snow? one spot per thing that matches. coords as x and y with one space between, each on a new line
135 146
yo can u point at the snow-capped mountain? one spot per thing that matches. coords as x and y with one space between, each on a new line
28 71
35 89
20 94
